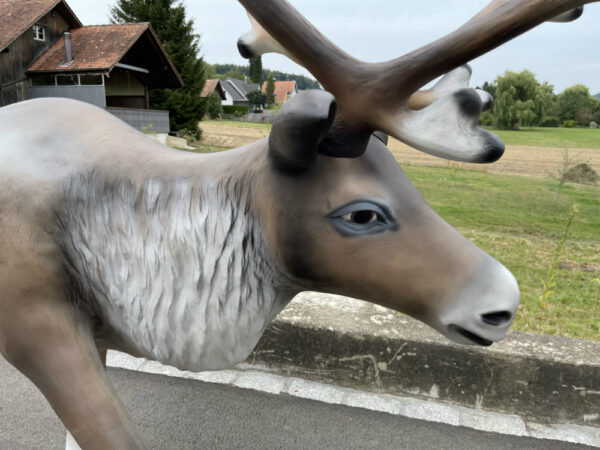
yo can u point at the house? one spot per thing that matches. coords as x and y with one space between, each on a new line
236 91
46 52
214 86
284 90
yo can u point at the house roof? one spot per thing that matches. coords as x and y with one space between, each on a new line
211 86
102 47
238 88
94 48
282 90
17 16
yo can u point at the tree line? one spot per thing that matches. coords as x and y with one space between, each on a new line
522 101
223 71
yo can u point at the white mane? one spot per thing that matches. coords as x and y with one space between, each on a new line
179 271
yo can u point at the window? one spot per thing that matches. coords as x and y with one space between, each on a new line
39 33
43 80
90 80
67 80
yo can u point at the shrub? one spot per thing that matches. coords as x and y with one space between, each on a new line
214 107
570 123
235 110
550 121
593 125
487 119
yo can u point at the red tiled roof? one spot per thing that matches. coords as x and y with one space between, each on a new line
282 90
16 16
209 87
98 47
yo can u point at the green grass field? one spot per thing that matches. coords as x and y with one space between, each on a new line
516 220
552 137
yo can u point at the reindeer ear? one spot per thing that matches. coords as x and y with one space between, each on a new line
299 128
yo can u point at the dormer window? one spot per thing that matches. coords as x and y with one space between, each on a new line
39 33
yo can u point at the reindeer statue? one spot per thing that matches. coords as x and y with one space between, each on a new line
112 241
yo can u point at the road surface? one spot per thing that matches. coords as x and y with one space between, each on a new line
174 413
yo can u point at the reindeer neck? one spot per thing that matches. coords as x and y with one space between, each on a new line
179 271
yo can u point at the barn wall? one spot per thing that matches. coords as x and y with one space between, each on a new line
90 94
14 85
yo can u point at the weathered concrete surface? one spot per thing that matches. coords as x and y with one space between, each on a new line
355 344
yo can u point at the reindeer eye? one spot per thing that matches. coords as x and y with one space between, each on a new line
362 217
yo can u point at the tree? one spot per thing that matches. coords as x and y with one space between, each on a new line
545 102
515 100
175 31
574 99
490 88
302 82
584 116
210 72
257 98
270 90
256 70
214 107
233 74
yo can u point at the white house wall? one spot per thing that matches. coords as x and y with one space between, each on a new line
228 99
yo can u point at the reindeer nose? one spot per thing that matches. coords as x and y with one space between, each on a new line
497 318
484 309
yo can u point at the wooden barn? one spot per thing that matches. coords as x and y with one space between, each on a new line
46 52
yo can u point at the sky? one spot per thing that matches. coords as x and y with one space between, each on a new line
379 30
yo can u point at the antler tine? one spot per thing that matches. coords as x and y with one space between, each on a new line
389 88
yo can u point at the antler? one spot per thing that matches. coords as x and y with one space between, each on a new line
382 96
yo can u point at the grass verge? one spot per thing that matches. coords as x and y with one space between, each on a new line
207 149
515 220
235 123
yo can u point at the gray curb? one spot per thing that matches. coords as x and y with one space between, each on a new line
339 350
354 344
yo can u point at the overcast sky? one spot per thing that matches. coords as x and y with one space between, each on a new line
376 30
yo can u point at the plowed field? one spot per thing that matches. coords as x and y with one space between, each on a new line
518 160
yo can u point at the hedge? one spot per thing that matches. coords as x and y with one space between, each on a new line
236 110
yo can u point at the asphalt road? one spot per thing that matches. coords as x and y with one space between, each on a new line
185 414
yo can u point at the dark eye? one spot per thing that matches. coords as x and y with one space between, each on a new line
362 217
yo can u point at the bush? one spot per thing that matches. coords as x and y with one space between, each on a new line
487 119
593 125
235 110
570 123
550 121
214 107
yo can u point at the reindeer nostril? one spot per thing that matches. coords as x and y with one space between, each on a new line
497 318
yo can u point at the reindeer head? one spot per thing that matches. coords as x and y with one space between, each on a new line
347 220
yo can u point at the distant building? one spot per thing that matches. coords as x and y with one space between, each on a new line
46 52
214 86
236 91
284 90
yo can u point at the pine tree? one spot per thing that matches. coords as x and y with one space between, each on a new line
175 31
256 70
270 90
